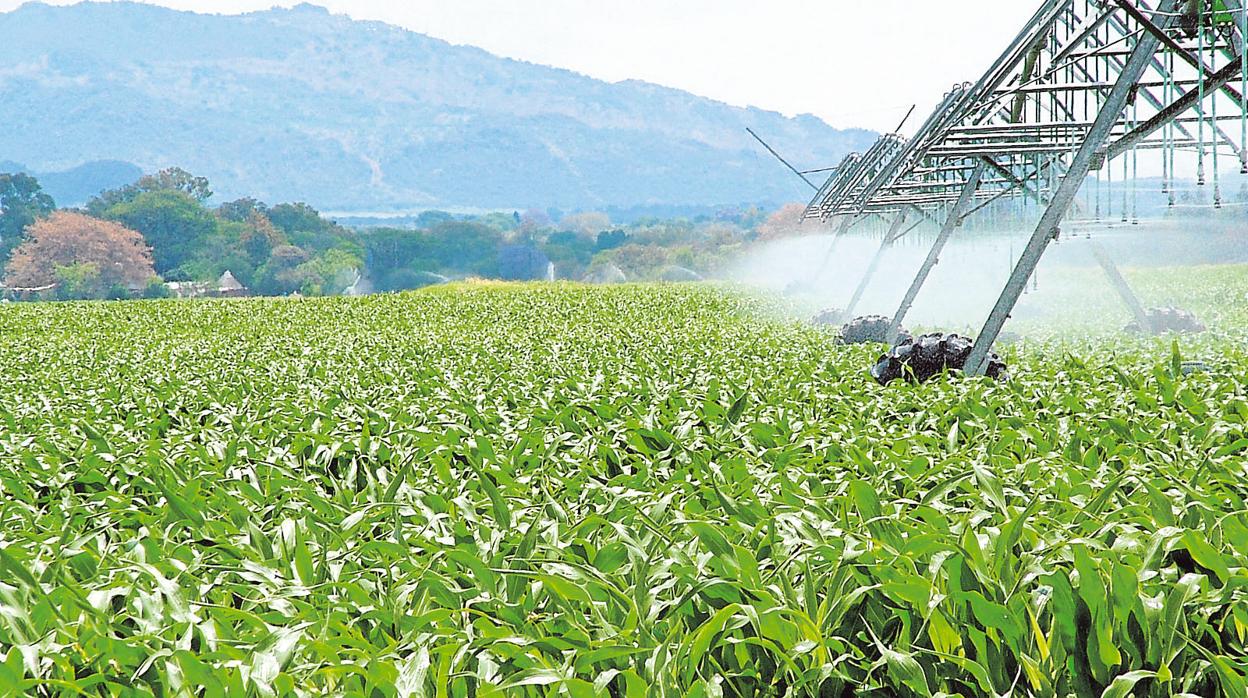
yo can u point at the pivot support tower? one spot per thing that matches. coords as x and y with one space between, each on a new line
1085 86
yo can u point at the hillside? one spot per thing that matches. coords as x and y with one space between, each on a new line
352 116
75 186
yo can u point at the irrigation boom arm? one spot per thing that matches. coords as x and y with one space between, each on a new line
771 150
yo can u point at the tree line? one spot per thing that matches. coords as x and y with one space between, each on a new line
131 241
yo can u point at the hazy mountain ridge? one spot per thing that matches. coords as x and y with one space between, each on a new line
75 186
302 104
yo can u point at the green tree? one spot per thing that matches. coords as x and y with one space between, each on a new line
79 281
305 227
387 250
504 222
174 223
177 179
611 239
241 210
329 273
259 237
571 252
428 219
280 275
466 248
221 250
173 179
22 202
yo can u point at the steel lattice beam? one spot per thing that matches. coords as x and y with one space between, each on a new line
1083 83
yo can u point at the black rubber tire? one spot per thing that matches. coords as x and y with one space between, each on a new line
869 329
1168 320
828 318
918 360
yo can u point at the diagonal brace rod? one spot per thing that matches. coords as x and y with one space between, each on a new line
933 255
893 233
1120 285
1047 229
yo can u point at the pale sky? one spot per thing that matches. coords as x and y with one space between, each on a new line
850 62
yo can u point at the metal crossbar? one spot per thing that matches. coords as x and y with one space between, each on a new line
1085 83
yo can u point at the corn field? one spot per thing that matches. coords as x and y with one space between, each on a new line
555 490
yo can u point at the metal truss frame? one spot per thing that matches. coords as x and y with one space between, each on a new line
1083 84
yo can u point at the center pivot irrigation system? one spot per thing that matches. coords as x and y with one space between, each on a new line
1086 89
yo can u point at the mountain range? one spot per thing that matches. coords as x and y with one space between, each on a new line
74 186
301 104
